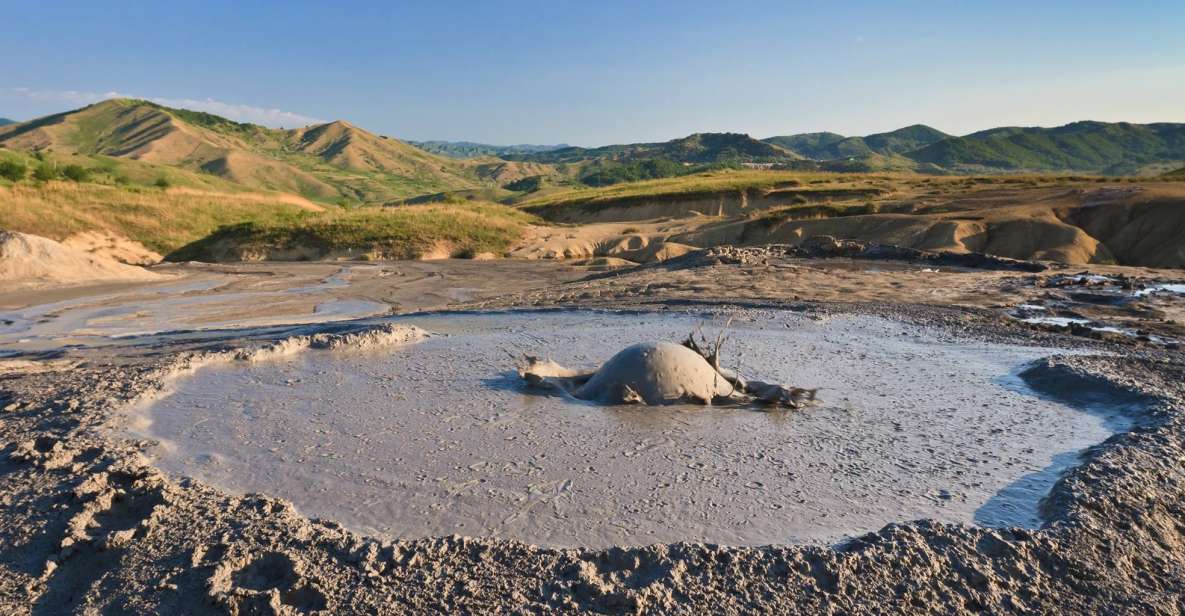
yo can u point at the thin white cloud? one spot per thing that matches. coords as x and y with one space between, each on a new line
241 113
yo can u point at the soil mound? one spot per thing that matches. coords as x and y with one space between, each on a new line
111 246
656 373
30 259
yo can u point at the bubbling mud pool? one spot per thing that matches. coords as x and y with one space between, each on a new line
441 437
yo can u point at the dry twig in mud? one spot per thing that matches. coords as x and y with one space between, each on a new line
702 346
768 394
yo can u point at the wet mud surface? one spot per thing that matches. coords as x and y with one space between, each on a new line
440 437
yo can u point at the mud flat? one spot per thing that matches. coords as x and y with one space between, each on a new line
440 438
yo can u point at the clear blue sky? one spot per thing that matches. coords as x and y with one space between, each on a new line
592 73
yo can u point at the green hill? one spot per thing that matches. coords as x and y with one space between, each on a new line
469 149
328 162
699 148
1095 147
904 139
1091 147
816 146
833 146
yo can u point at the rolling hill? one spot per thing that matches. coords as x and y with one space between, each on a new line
699 148
1095 147
1082 147
833 146
469 149
327 162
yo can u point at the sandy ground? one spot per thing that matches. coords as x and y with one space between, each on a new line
90 525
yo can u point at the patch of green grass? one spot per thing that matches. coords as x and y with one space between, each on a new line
13 170
46 170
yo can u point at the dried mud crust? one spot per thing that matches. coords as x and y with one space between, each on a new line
87 524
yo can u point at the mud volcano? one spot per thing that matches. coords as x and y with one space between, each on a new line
655 373
444 437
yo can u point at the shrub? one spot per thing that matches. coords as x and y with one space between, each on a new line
162 182
13 171
527 184
76 173
46 171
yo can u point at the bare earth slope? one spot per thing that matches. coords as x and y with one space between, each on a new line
1070 221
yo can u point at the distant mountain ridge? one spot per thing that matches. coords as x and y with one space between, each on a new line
470 149
1118 148
1098 147
833 146
697 148
6 121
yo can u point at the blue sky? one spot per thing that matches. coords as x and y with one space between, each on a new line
592 73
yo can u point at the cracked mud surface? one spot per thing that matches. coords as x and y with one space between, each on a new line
87 524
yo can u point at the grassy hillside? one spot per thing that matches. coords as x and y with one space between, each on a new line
161 219
878 163
832 146
904 139
330 162
469 149
1098 147
816 146
1179 174
112 171
408 232
1092 147
698 148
